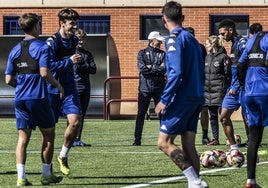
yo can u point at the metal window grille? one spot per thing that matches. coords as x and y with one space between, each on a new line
11 26
95 24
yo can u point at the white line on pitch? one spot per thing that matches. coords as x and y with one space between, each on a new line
92 152
181 177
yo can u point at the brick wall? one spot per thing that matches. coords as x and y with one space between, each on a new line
125 29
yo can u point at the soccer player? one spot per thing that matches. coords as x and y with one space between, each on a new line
82 70
28 70
234 95
253 29
183 96
63 56
255 57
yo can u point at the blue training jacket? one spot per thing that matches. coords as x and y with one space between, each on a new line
257 76
62 65
185 69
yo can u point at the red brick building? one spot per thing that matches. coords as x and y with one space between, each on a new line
124 39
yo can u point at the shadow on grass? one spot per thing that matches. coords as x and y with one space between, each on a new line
122 177
15 172
122 183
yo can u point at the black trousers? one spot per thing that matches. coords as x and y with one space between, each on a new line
214 120
84 100
144 99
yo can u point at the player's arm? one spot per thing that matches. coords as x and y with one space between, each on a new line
44 70
160 66
87 65
227 69
144 63
10 72
62 64
91 63
175 74
46 75
264 47
11 80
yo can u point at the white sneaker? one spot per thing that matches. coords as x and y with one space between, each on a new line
201 184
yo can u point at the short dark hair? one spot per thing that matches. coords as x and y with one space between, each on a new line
173 11
27 21
68 14
190 30
255 28
227 23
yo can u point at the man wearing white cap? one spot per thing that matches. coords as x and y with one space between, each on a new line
151 65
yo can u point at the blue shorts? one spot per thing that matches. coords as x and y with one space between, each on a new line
257 110
32 113
243 103
70 104
231 102
179 118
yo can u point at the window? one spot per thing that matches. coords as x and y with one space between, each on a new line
95 24
150 23
241 23
11 26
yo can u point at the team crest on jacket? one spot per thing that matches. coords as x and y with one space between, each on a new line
170 41
171 49
163 127
216 64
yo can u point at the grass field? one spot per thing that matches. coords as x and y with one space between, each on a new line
112 161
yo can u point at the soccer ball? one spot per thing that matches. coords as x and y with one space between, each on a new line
208 159
220 158
235 158
238 140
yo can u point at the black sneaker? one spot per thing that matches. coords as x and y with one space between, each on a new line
205 141
214 142
136 144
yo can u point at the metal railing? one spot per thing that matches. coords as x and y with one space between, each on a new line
106 104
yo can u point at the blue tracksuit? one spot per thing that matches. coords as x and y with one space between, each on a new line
31 98
62 69
184 91
233 101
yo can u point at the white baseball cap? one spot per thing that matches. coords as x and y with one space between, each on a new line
155 35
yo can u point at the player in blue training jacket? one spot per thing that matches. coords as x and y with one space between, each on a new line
235 93
63 56
28 71
183 96
255 57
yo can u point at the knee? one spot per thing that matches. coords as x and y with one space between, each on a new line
223 120
163 146
74 122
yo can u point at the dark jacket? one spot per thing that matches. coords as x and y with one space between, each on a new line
83 69
217 77
152 69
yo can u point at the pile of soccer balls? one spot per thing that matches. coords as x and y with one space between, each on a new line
218 158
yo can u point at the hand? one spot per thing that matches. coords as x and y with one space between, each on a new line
76 58
61 90
231 92
160 109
